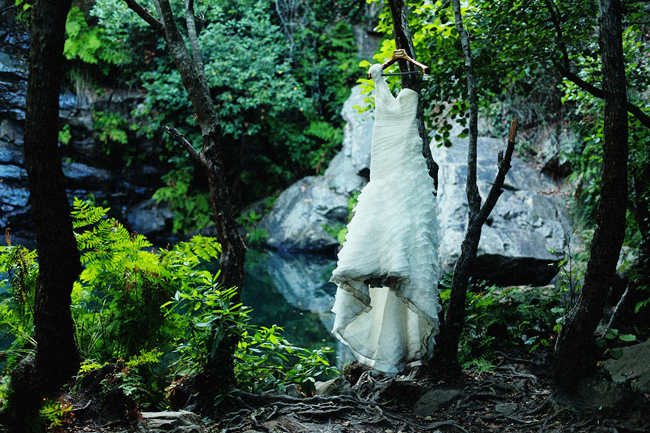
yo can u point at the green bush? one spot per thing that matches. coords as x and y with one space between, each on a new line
148 310
496 317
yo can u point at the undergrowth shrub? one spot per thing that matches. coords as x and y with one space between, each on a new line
496 317
153 313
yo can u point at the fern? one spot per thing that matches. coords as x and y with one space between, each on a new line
89 43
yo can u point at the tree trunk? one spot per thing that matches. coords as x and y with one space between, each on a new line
399 12
57 356
218 374
575 341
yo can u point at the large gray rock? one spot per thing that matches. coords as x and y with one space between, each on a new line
528 221
435 399
13 87
633 366
85 176
149 218
300 212
299 277
173 422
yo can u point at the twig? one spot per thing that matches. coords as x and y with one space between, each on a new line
145 15
178 137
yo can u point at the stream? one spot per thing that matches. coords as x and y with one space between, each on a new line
291 290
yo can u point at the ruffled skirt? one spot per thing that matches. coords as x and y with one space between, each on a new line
387 274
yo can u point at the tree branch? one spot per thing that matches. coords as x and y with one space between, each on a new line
558 29
565 70
178 137
193 79
598 93
504 167
191 33
145 15
473 196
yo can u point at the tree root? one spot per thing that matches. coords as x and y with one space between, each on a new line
262 408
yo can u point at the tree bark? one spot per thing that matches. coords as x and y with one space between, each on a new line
57 356
575 341
399 12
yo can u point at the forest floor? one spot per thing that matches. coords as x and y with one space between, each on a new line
513 397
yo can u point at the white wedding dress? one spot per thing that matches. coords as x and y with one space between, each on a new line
387 273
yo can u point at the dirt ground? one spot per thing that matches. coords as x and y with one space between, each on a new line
511 398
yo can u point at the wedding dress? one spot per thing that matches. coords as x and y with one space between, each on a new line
387 272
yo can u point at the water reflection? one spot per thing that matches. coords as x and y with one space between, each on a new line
291 290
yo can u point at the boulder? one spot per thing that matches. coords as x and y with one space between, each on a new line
173 422
300 212
435 399
336 386
149 218
13 87
632 367
299 278
85 176
13 196
529 220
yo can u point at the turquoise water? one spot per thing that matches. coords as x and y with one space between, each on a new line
291 290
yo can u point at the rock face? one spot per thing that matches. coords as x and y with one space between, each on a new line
529 220
91 173
297 219
173 422
632 367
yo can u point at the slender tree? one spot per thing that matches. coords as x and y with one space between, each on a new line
452 323
446 353
219 373
57 357
575 341
399 12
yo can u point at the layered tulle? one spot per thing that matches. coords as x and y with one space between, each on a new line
387 273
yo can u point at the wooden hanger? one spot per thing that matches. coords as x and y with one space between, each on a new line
401 55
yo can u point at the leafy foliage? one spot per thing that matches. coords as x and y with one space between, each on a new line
88 43
193 207
144 309
520 316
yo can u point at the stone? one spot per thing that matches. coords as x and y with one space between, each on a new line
336 386
173 422
297 219
435 399
13 87
633 367
148 218
12 172
551 140
13 196
600 394
506 408
299 278
11 132
529 219
87 177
